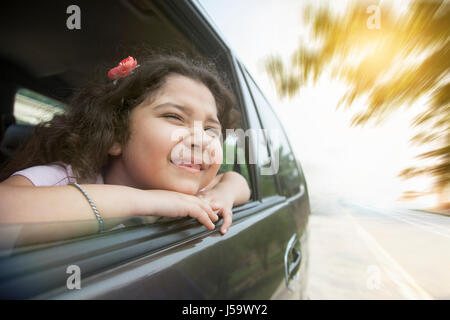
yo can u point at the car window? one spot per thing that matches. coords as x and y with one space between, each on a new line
267 182
24 237
32 108
288 174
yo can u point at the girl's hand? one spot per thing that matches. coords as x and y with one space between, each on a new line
225 191
221 203
175 204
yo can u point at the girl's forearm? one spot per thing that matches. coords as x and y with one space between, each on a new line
236 184
66 203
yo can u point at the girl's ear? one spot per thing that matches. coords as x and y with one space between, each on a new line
115 149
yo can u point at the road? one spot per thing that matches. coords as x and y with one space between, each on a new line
360 251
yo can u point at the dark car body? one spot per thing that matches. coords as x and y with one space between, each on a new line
263 255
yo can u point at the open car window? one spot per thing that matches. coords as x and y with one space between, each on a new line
46 95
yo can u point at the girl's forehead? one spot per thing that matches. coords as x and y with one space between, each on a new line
186 92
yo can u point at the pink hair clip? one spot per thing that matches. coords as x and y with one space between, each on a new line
124 68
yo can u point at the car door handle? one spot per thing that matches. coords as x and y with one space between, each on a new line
292 258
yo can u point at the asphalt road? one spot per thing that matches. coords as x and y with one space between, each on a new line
359 251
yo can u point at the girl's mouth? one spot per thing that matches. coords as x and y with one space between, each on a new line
193 168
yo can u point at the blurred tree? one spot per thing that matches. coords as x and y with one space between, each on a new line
391 62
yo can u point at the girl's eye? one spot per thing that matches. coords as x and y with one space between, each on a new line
173 116
214 131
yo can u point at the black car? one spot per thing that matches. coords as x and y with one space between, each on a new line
44 55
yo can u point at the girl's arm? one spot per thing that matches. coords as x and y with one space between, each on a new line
232 184
32 215
29 204
236 185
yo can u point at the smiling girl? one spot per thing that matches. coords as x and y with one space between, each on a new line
132 147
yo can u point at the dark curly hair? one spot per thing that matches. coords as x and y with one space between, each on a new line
98 115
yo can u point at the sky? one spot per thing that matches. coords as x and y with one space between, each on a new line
359 163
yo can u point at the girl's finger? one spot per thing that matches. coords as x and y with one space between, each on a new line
216 205
227 219
203 217
207 208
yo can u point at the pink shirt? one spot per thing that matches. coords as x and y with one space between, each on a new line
53 175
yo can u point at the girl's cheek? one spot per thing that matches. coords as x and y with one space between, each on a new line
213 155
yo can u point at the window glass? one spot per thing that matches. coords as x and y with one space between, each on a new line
280 150
266 181
33 108
234 158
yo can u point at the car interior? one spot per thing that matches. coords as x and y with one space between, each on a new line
43 61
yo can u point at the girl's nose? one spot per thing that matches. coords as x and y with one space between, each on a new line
202 145
198 138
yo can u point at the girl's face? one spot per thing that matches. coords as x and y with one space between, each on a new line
174 142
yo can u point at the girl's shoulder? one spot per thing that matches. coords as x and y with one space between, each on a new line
54 174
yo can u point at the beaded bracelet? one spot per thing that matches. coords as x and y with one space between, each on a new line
91 203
